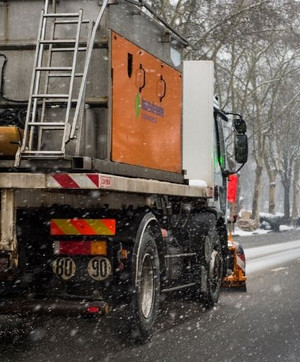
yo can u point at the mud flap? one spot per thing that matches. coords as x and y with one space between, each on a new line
8 241
203 279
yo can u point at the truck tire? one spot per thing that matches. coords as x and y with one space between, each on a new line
146 286
214 270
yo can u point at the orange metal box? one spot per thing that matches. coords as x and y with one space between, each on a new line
146 109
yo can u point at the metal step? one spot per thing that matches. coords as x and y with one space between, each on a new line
84 21
50 96
47 124
61 15
41 153
57 41
49 69
60 75
58 101
80 49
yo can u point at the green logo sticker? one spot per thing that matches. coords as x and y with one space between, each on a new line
137 105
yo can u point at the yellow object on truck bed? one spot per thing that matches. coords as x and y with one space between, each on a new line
10 138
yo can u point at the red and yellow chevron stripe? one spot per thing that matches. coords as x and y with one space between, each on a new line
83 227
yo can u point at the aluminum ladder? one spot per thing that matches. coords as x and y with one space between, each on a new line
41 97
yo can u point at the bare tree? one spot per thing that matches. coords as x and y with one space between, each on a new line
254 45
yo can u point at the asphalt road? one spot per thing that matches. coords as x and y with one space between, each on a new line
262 324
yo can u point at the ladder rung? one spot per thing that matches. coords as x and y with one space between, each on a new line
58 41
80 49
54 75
50 96
47 124
58 101
99 45
26 152
42 157
84 21
58 69
61 15
57 128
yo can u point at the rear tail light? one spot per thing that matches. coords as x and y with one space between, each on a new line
93 309
80 247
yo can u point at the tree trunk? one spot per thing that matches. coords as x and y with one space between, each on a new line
295 192
286 183
257 192
286 202
272 175
272 190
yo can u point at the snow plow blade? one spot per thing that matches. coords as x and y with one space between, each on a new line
238 266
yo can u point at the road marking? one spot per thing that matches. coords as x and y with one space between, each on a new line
280 268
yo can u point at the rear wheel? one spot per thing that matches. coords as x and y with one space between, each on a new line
214 273
146 284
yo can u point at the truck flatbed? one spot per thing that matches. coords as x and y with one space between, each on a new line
94 181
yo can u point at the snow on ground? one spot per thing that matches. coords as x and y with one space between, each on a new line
239 232
262 257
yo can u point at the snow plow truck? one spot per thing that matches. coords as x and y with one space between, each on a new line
113 167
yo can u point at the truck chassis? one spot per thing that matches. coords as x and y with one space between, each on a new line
151 244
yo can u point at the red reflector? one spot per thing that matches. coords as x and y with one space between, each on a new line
242 256
164 233
75 248
93 309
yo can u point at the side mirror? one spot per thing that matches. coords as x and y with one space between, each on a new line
240 125
241 148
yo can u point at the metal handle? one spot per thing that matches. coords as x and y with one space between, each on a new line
164 88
